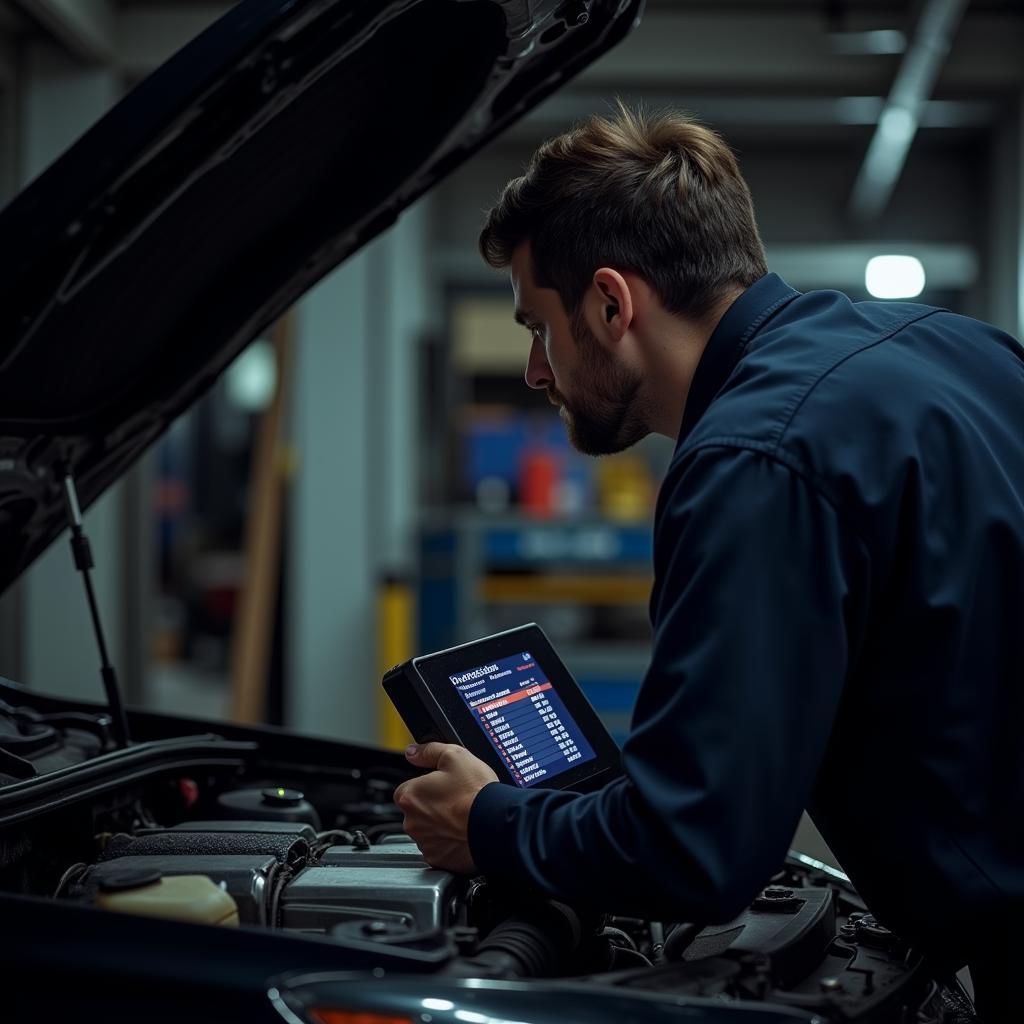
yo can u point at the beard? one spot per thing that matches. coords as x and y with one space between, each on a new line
606 414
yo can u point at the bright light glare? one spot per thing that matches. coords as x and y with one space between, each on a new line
897 126
894 277
252 377
437 1004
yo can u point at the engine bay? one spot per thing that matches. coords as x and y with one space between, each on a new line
263 831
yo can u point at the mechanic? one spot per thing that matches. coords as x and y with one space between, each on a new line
838 605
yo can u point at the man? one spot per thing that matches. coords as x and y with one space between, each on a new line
839 565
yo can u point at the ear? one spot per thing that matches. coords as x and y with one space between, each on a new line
611 303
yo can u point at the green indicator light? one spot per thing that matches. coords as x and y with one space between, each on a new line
280 792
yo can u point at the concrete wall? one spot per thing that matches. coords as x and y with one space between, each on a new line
352 504
1005 279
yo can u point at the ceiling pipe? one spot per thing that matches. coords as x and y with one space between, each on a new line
901 116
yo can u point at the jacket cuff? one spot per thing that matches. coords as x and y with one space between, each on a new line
491 830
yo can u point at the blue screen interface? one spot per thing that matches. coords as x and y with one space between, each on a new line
524 718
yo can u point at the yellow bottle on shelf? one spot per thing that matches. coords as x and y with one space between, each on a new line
625 490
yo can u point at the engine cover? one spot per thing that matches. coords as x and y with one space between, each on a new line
391 883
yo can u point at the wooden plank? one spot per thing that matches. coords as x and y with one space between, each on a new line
253 633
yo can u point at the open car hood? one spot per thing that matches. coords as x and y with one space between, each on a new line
219 190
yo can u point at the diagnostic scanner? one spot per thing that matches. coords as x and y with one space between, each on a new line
510 700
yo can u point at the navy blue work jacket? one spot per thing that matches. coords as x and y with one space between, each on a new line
838 614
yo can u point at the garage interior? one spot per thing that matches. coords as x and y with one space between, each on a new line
372 479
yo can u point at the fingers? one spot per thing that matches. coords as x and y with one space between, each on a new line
435 806
403 795
454 778
428 755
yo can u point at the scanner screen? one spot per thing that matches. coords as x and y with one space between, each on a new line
523 717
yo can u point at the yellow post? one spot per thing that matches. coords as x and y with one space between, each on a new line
394 645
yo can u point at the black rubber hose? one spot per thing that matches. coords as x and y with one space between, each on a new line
538 943
679 939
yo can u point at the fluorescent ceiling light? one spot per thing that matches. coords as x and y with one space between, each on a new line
894 277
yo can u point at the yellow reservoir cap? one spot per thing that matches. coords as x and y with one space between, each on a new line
194 898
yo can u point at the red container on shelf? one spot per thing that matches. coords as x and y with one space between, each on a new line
539 475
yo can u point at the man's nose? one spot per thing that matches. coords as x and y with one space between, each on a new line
538 373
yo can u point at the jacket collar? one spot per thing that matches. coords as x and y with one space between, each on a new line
741 321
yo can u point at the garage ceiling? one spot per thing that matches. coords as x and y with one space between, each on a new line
730 47
769 73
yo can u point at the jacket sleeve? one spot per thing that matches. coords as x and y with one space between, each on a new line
758 601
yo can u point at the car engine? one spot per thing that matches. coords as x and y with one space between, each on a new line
238 829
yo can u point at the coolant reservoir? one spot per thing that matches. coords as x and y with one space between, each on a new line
193 898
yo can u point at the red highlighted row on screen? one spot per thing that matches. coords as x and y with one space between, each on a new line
502 701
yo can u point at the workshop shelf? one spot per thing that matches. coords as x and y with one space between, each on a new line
586 582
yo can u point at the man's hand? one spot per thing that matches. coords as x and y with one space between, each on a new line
436 806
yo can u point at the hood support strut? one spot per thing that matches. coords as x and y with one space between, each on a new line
82 554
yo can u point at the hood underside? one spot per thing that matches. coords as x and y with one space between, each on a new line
231 180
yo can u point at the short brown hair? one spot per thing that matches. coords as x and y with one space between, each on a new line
659 195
